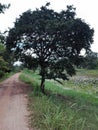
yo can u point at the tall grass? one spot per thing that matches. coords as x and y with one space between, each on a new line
65 109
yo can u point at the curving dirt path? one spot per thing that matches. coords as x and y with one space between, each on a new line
13 104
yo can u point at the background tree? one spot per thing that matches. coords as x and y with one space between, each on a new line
3 52
55 38
3 67
28 61
90 61
3 64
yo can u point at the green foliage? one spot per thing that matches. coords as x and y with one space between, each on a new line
56 40
34 82
3 7
2 49
3 67
52 114
63 110
3 63
28 61
90 60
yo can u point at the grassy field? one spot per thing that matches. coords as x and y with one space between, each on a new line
71 106
85 81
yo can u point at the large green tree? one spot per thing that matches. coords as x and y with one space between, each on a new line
56 40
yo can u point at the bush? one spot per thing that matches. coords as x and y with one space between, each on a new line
1 73
3 67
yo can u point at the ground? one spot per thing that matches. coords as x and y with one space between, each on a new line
13 104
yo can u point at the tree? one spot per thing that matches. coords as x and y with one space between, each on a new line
3 63
28 61
3 7
3 67
90 61
55 38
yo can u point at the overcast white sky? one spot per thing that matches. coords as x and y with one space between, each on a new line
85 9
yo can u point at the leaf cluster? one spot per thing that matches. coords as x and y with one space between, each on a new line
3 7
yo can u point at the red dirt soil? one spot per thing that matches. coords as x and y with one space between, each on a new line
13 104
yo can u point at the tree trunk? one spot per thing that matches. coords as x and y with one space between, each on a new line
42 86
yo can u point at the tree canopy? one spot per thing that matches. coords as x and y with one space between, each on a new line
56 40
3 7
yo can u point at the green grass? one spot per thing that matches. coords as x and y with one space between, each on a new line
88 73
65 109
85 81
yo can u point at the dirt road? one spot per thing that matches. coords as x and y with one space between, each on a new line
13 104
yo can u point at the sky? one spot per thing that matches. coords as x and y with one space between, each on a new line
85 9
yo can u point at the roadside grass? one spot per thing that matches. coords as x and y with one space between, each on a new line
63 109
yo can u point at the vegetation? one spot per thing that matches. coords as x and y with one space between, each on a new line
52 42
54 39
3 67
3 64
90 60
3 7
62 109
28 61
